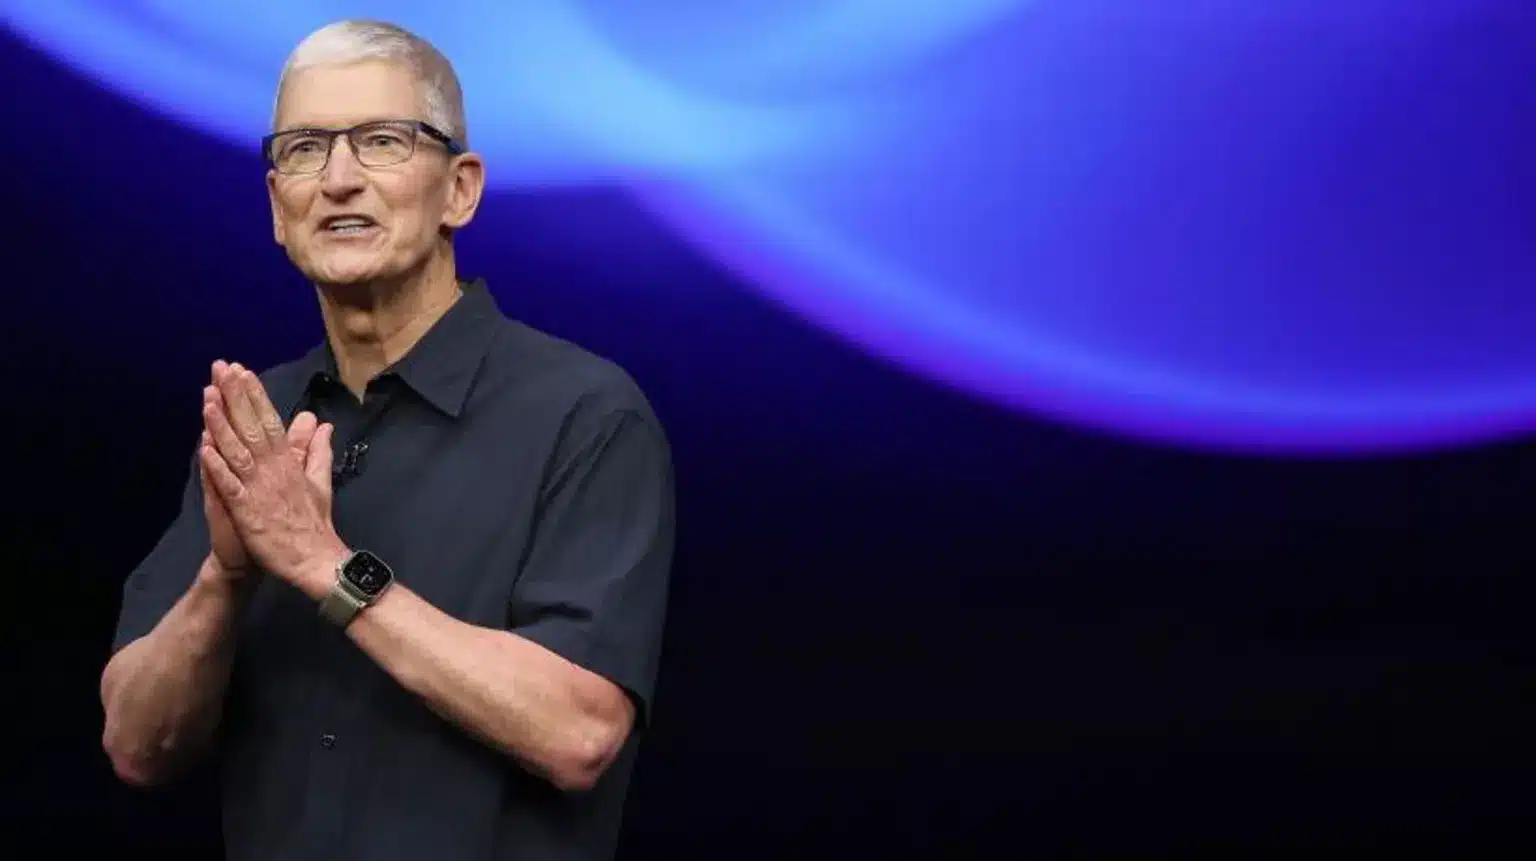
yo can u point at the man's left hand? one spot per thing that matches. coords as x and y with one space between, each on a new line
280 507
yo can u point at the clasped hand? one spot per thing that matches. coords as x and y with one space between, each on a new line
267 489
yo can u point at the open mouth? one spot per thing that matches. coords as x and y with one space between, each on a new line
347 225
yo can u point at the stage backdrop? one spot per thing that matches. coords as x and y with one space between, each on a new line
1100 426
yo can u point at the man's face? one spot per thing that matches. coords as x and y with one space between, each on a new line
405 206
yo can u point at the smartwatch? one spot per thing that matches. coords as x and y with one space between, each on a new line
361 578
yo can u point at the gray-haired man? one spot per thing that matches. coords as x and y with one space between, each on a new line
415 593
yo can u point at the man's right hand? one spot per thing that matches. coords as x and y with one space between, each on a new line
229 554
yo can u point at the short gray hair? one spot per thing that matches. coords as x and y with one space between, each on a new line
360 40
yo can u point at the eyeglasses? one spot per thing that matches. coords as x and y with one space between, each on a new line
375 144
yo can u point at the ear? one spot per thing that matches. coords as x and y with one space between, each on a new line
278 233
466 185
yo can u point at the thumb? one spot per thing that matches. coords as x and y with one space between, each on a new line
300 431
317 459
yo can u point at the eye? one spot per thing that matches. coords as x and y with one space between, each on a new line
383 139
302 146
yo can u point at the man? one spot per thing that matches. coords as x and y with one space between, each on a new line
414 596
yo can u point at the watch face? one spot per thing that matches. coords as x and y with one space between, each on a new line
367 573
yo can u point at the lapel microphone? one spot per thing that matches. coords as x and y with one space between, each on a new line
351 464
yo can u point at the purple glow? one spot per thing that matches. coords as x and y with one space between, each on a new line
1287 226
899 332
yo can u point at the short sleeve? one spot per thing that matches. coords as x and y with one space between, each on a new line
593 587
168 571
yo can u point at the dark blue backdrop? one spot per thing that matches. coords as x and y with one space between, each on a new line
904 619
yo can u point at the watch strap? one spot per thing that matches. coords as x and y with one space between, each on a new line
340 606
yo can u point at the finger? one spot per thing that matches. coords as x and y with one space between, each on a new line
211 495
300 432
205 442
225 483
317 464
261 406
202 469
226 443
242 416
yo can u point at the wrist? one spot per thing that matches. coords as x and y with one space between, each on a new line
212 607
318 574
214 572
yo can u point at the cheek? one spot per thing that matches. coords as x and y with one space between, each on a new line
289 215
421 198
415 218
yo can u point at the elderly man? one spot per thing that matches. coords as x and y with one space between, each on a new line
414 596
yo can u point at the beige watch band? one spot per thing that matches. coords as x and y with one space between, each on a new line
340 606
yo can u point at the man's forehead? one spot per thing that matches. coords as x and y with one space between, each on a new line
340 96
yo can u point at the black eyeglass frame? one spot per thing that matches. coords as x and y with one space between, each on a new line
452 146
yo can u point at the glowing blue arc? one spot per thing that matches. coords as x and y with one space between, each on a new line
1285 225
571 125
1032 370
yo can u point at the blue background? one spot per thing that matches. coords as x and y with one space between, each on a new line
1099 425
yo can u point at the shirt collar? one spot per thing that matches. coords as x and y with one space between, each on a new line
441 367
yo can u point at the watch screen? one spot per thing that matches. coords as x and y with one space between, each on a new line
368 573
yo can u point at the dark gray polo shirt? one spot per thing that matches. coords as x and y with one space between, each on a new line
513 480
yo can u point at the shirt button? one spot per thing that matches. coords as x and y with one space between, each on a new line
327 741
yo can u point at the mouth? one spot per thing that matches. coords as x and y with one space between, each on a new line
347 225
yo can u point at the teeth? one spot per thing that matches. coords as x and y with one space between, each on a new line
344 223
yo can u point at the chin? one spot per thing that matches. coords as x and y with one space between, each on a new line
347 268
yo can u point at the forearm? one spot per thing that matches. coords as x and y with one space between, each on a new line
163 694
555 718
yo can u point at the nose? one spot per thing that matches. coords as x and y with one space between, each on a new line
343 176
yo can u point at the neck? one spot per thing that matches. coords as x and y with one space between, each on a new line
371 325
